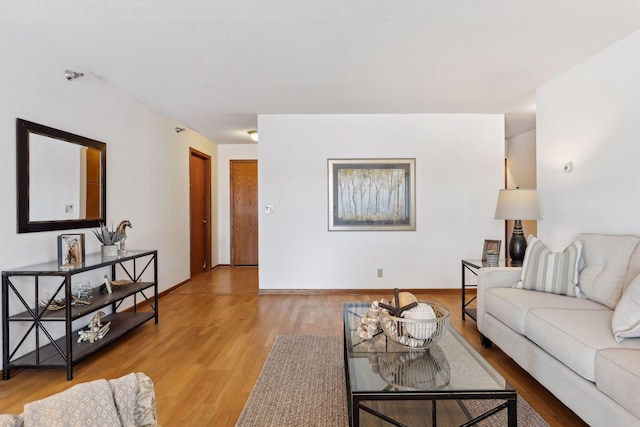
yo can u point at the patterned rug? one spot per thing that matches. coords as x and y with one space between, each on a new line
302 384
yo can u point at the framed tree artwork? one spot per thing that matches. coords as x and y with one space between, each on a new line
372 194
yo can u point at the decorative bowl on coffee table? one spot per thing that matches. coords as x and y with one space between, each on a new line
418 329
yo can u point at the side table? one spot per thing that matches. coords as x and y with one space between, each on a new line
472 266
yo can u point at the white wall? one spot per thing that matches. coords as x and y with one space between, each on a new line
589 115
226 153
521 172
521 160
147 161
459 170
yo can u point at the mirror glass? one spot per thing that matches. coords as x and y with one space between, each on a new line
61 179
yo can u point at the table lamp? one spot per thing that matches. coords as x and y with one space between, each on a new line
517 204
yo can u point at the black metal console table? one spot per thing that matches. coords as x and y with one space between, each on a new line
23 288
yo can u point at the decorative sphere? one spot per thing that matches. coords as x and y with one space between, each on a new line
420 330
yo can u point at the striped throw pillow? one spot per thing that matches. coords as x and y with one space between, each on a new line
547 271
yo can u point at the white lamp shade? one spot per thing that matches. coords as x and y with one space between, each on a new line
517 204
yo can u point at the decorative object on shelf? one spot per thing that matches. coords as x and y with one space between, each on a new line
96 330
83 293
55 304
517 204
70 250
121 233
121 282
428 330
372 194
52 304
112 241
107 284
108 239
491 246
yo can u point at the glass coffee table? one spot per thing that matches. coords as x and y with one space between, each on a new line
387 381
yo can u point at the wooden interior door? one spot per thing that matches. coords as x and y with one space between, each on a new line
244 212
200 211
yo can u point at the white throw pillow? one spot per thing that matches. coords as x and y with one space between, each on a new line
606 262
626 317
547 271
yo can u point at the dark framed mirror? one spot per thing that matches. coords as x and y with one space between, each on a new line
61 179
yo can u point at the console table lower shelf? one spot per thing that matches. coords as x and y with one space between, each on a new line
49 357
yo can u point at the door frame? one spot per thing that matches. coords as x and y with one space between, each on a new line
207 194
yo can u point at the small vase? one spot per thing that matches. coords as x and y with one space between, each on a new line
109 250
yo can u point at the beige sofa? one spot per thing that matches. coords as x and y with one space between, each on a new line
128 401
566 339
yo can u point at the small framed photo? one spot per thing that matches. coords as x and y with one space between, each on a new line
70 250
492 247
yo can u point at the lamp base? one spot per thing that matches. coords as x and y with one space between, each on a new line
517 245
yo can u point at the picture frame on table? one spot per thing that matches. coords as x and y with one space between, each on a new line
71 250
372 194
491 245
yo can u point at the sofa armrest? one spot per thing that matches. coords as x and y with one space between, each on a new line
494 277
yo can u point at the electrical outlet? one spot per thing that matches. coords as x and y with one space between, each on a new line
379 273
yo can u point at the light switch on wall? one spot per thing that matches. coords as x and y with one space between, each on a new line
268 209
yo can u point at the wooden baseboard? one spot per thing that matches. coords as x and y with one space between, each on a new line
439 291
220 265
174 287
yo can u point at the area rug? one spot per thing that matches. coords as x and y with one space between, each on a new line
302 383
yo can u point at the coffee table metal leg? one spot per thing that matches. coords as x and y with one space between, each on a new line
512 412
355 412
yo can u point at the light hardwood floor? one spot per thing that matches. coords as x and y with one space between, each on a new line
213 337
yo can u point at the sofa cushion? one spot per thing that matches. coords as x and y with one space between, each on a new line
606 261
626 317
618 376
73 407
510 305
547 271
574 336
8 420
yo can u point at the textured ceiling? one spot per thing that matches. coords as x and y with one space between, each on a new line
214 65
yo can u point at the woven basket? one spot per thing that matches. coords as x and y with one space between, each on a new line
417 333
